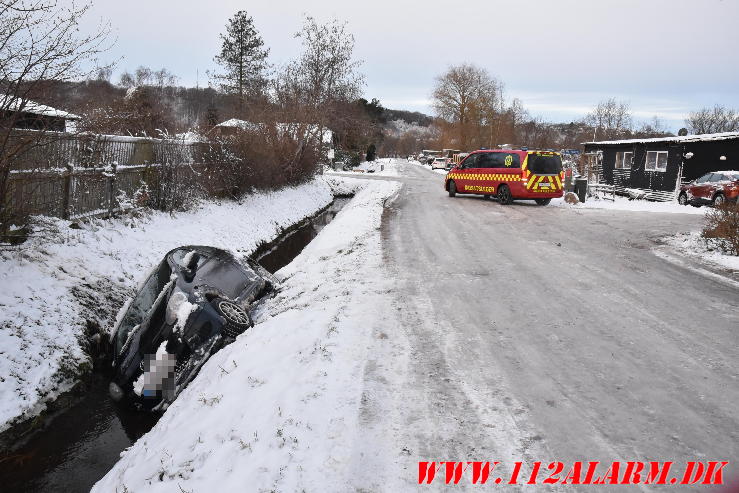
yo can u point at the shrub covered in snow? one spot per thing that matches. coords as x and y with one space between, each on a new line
722 228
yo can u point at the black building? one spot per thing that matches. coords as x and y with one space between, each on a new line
657 167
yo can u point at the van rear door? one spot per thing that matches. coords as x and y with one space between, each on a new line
544 171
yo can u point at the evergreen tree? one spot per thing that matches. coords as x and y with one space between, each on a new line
243 57
371 152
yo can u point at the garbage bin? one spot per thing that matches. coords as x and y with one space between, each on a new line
581 188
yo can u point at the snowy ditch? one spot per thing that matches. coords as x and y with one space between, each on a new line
68 289
279 409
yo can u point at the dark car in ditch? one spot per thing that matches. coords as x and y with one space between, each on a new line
195 302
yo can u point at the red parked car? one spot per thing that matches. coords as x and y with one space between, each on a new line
714 188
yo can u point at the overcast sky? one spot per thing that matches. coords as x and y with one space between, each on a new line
560 57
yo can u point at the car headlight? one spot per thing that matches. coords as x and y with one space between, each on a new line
173 305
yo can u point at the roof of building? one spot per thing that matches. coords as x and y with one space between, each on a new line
236 123
34 108
285 127
685 138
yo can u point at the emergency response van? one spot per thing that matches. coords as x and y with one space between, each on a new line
508 174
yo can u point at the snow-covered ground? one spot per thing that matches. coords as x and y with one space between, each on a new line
379 167
694 245
62 278
278 410
428 167
624 204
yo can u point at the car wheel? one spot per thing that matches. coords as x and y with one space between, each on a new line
543 201
452 188
237 319
504 194
682 199
719 200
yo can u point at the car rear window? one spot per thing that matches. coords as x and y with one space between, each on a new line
545 164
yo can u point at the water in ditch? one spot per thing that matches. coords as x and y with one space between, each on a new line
80 445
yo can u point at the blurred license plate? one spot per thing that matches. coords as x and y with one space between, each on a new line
544 185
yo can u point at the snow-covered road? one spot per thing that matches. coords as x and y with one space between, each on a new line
544 333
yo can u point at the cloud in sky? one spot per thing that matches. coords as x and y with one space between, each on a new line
560 57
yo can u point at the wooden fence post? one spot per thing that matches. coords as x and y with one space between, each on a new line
68 189
110 190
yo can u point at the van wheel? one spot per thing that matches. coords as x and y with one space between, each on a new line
543 201
452 188
504 195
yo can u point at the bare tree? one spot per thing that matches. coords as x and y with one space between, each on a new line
39 42
320 86
103 74
142 76
611 119
327 64
127 80
653 128
713 120
469 98
164 78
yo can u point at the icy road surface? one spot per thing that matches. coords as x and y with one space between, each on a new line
544 333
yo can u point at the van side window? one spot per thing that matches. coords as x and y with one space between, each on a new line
486 160
505 160
470 161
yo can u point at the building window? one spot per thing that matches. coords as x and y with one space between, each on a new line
623 160
656 161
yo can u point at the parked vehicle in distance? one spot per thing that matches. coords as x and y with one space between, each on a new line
458 158
439 163
194 303
508 174
714 188
428 156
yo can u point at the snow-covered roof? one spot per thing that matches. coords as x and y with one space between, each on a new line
34 108
685 138
284 127
236 123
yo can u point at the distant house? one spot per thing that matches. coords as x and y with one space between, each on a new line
34 116
233 126
655 168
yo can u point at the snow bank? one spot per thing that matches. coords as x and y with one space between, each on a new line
379 167
342 185
64 277
624 204
278 410
694 245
